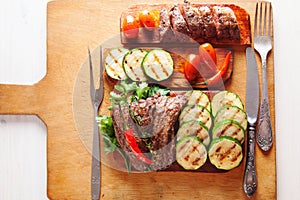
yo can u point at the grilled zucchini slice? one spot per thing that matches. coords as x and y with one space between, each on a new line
158 64
232 113
198 97
225 98
194 128
113 63
191 153
196 112
229 128
132 64
225 153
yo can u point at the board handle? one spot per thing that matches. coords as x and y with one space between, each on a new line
19 99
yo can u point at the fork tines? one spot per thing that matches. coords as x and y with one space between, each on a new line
260 27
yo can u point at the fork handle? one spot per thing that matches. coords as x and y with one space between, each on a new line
250 180
264 135
96 170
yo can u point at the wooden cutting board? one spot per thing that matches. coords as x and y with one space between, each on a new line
72 26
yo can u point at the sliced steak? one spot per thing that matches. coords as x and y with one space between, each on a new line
208 22
199 20
226 23
164 119
165 29
157 117
120 115
153 123
179 25
194 20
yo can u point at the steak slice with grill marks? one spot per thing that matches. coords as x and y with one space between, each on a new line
157 117
165 117
154 126
121 116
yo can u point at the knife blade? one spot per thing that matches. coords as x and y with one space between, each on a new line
252 105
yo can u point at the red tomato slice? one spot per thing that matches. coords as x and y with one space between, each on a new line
210 50
130 27
191 65
149 19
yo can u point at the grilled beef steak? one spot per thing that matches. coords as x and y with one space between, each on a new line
153 121
198 22
165 29
208 22
226 23
121 117
179 25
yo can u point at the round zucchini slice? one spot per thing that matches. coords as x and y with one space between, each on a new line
197 113
229 128
225 98
113 63
194 128
191 153
198 97
158 64
225 153
232 113
132 64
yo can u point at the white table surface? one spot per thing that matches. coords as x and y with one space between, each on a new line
23 165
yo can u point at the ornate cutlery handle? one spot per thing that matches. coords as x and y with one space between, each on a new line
250 180
264 136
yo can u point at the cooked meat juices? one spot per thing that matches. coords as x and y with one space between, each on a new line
153 121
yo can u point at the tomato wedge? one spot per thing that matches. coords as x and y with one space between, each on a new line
130 27
149 19
191 67
210 50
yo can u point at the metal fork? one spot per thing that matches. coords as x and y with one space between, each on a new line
96 97
263 45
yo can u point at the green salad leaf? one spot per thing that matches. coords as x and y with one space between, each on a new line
109 138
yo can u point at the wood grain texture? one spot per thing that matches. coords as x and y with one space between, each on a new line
72 26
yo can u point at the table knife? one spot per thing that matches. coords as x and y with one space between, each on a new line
96 98
252 104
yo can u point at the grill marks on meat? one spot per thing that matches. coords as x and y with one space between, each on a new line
154 129
198 22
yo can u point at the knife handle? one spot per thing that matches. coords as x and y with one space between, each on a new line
250 180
